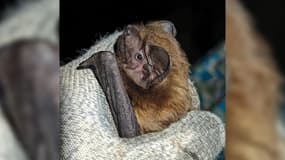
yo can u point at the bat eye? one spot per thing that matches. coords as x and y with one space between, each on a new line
139 56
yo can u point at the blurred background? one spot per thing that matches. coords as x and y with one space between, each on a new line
255 83
29 71
269 20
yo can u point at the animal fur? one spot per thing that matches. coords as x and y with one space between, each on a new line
252 92
158 107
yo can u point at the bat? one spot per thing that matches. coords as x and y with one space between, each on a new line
154 71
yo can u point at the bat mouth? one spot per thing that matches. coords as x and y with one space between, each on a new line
152 81
155 81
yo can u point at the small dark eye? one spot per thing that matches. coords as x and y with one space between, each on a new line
139 56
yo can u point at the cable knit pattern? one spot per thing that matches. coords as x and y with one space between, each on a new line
88 131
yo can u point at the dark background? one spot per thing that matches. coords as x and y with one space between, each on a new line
200 24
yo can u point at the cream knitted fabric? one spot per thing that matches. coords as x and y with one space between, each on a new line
88 131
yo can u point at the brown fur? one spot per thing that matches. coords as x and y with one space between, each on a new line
252 93
158 107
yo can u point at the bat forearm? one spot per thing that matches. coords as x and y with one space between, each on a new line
105 68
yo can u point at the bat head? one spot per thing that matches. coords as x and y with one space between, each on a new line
145 64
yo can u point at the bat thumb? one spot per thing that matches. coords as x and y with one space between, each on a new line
87 63
83 65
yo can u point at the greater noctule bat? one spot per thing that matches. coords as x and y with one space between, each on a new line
155 71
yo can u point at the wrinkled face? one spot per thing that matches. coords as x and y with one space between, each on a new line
145 64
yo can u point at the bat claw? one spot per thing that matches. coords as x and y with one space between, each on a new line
80 67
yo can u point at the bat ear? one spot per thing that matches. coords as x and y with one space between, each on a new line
166 25
160 57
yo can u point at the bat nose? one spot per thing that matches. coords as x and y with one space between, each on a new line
148 67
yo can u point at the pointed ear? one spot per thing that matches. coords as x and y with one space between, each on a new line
166 25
